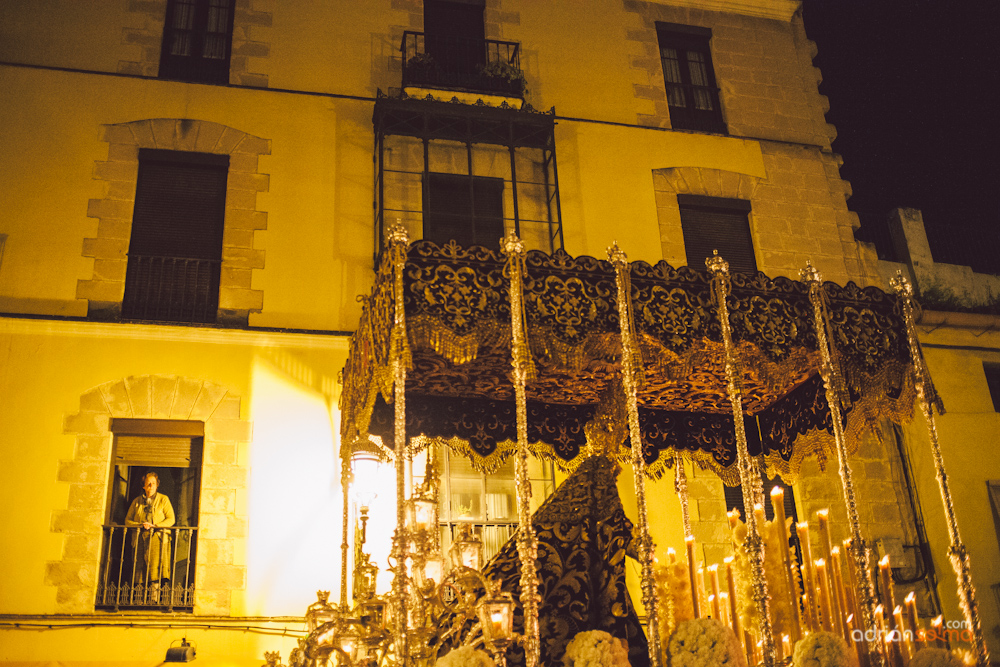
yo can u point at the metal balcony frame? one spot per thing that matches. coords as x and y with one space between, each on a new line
430 120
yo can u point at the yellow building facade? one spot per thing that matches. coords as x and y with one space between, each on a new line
286 99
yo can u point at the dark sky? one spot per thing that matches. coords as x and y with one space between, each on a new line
914 89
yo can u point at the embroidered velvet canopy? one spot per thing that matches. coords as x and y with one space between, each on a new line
458 389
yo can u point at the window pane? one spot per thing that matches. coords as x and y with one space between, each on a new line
699 77
672 75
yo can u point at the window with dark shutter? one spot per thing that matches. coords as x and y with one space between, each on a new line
464 209
715 223
692 94
197 40
992 371
175 250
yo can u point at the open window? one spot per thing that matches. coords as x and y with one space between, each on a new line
151 567
485 502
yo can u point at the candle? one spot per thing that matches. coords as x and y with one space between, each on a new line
734 518
937 628
786 646
837 621
778 503
689 544
809 578
758 517
911 615
824 595
859 646
900 645
837 580
733 612
724 608
496 620
888 596
671 556
853 591
880 631
713 577
702 597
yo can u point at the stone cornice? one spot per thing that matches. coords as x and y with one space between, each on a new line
171 333
781 10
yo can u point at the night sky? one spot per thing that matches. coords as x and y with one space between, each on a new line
914 89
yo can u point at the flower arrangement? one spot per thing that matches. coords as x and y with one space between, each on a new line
782 612
595 648
939 657
503 71
823 649
673 590
704 642
465 656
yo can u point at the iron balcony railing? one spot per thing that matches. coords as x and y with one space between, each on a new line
147 568
478 65
172 289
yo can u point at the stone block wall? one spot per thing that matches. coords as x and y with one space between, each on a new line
220 574
798 213
761 95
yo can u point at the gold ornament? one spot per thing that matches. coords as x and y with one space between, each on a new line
719 269
859 549
523 369
629 358
957 552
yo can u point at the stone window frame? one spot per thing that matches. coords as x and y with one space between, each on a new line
119 174
698 39
220 577
250 46
719 183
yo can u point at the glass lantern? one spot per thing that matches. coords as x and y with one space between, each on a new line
351 642
365 466
373 615
434 569
496 615
320 612
467 550
422 514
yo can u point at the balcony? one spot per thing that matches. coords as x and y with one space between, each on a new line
171 289
143 569
456 63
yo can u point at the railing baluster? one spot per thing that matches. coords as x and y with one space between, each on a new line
143 587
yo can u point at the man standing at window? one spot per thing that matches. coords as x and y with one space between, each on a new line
150 546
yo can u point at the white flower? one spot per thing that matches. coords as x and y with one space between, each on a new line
704 642
465 656
822 649
936 657
595 648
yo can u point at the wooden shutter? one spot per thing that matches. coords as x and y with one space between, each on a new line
156 451
158 442
180 204
711 223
